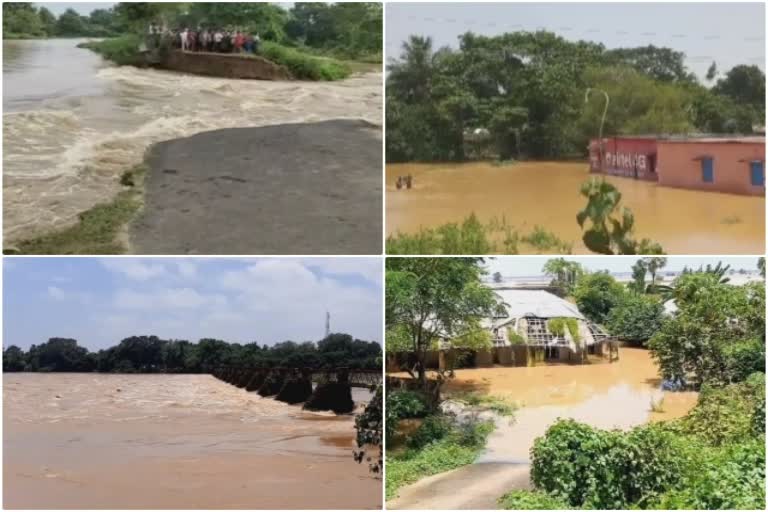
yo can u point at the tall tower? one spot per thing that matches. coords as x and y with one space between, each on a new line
327 324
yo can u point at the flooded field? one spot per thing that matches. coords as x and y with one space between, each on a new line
73 123
547 194
96 441
604 395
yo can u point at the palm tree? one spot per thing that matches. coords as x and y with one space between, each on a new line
411 74
654 264
564 274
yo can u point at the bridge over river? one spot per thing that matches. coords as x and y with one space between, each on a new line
318 389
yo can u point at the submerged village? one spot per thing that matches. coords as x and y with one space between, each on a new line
542 392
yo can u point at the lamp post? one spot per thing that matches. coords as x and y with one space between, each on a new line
602 121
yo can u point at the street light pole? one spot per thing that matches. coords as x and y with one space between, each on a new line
602 121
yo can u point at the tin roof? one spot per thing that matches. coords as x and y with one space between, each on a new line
538 303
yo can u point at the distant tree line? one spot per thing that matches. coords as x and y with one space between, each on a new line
350 29
150 354
523 94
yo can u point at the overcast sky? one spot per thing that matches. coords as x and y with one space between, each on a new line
728 33
101 301
530 266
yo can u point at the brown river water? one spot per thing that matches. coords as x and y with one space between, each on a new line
547 194
605 395
94 441
73 123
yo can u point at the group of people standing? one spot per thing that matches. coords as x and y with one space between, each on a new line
210 40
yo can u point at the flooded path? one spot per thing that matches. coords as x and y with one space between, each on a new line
73 123
547 194
617 395
95 441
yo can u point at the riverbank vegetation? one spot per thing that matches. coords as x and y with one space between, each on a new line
99 230
150 354
441 442
522 95
23 20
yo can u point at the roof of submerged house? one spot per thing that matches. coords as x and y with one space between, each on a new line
538 303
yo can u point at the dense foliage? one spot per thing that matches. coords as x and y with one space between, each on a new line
714 458
597 294
368 425
717 335
150 354
636 318
402 404
564 274
523 94
432 298
24 20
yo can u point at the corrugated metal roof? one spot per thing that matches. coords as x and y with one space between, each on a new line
520 303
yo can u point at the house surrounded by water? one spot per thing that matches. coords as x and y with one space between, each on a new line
731 164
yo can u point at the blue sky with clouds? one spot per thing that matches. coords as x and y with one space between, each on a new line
100 301
729 33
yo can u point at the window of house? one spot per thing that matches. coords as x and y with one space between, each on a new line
757 173
707 170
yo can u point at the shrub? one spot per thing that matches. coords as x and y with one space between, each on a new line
404 404
532 500
433 429
123 50
605 469
597 294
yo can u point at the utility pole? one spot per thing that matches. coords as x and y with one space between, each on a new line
327 324
602 121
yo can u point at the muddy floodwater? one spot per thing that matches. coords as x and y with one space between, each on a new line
547 194
73 122
619 395
90 441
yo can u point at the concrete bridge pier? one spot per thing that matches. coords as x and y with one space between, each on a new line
297 387
333 396
274 382
244 378
257 379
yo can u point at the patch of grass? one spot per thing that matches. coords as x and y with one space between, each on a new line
458 448
543 240
532 500
498 404
123 50
98 229
474 237
302 65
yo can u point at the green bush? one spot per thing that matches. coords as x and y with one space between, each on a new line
404 404
594 468
635 318
597 294
302 65
532 500
432 429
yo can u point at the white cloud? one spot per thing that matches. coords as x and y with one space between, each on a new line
167 299
369 269
134 268
56 293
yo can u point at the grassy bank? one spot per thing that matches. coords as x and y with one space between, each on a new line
439 445
473 237
100 230
123 50
304 66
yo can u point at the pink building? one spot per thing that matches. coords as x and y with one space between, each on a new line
734 165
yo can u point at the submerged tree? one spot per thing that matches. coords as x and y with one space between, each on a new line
564 274
369 425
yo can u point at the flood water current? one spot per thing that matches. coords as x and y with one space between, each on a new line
173 441
73 123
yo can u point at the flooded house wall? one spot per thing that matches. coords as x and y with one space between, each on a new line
734 167
627 157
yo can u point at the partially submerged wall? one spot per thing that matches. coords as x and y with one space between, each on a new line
223 65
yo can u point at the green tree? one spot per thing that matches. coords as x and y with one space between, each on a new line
565 274
597 294
13 359
70 23
48 21
746 85
636 318
21 19
428 299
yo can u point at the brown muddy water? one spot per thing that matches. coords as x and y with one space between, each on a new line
547 194
92 441
605 395
73 123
